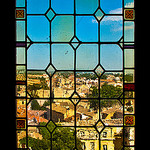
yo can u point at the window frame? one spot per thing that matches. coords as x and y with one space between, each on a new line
12 67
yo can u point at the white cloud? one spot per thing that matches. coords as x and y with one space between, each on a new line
116 11
112 18
130 4
117 29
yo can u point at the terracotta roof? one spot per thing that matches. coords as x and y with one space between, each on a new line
37 114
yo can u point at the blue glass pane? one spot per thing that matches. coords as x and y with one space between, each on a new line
38 53
38 28
87 28
62 56
111 57
111 28
64 7
62 28
87 56
20 3
111 6
37 6
86 6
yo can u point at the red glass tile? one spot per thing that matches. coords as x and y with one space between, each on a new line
129 86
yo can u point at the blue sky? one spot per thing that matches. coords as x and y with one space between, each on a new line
109 6
62 29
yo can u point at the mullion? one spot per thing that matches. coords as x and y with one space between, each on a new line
38 42
75 14
75 136
26 73
51 88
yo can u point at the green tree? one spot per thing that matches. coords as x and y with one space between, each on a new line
128 77
62 138
106 91
35 105
94 94
110 91
32 89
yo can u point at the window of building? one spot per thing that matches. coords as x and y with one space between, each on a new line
104 134
75 71
83 146
92 145
104 147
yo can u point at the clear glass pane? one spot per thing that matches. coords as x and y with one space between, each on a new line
86 6
129 3
111 6
87 56
112 137
62 28
129 76
129 58
38 56
87 84
37 6
63 112
87 28
38 32
21 73
129 31
64 7
111 112
111 57
63 84
20 55
111 28
20 30
63 56
38 84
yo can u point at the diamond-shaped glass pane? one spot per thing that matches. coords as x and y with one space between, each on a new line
99 14
75 42
75 95
99 126
50 14
75 98
74 45
51 126
99 70
75 101
50 70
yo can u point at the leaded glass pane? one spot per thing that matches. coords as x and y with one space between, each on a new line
75 74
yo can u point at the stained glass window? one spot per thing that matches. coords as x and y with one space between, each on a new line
75 74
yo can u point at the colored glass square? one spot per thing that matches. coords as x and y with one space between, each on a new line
129 87
21 123
129 14
20 14
129 120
